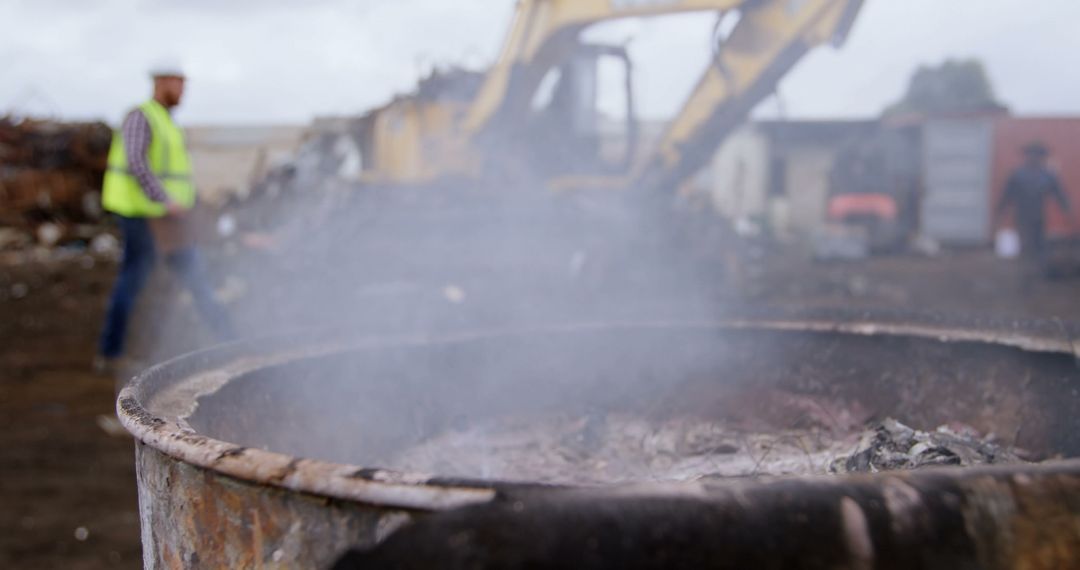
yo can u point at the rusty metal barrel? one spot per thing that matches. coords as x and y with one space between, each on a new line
272 453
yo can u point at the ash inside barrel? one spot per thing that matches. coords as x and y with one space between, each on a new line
605 449
617 449
894 446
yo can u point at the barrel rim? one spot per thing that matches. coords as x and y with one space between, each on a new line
424 492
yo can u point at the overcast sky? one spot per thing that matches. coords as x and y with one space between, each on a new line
285 61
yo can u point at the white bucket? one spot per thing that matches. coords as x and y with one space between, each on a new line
1007 244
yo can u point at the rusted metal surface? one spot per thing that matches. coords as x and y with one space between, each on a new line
987 519
198 518
213 503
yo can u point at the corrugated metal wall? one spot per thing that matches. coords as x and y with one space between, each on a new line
956 205
1062 136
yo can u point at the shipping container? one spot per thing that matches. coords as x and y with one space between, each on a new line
1062 137
956 202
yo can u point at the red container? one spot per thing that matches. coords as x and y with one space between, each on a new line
1062 137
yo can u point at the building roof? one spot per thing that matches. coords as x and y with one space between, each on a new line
815 131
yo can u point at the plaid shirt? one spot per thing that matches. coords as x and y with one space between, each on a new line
137 135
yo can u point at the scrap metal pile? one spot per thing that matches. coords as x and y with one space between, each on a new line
50 179
619 448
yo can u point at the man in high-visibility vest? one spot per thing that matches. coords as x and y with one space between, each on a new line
148 186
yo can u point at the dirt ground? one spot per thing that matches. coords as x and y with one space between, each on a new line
67 486
59 471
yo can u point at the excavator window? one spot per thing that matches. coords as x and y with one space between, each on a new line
576 113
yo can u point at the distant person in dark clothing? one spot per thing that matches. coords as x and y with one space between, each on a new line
1026 192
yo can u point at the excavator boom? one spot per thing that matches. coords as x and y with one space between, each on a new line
769 38
538 39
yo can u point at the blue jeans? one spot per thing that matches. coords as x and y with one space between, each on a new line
138 262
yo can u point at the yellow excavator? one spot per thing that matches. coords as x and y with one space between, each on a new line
534 113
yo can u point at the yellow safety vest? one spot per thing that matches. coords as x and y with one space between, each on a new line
168 159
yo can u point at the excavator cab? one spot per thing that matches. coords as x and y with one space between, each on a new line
566 132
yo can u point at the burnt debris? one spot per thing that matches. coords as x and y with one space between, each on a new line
893 446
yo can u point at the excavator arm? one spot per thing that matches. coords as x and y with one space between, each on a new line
497 128
544 33
768 40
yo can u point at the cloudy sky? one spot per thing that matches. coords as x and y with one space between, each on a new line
285 61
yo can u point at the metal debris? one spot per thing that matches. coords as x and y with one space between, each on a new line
894 446
50 171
